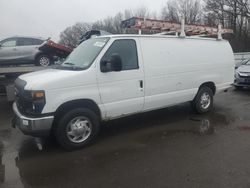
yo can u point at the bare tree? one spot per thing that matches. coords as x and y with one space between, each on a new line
113 24
231 13
170 12
71 35
128 14
215 10
189 9
141 12
153 15
110 24
245 4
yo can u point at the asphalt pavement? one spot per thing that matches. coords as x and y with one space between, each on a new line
172 147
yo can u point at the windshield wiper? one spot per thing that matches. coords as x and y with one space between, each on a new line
68 63
71 67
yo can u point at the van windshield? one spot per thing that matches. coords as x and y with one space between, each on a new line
84 55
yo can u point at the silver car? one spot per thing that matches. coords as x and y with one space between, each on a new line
23 50
242 75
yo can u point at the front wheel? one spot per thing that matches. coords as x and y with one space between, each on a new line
77 128
43 60
203 102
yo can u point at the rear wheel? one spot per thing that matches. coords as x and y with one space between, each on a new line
203 102
77 128
43 60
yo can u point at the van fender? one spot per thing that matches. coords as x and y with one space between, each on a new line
79 103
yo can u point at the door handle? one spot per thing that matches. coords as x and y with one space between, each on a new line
14 49
141 84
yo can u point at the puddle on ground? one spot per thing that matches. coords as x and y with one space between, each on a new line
200 125
5 133
9 172
205 127
14 159
244 126
10 176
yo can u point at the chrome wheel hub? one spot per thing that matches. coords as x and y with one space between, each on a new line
44 61
205 101
79 129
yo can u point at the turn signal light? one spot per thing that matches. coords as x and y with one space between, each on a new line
38 94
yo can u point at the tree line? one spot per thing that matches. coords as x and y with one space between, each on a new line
234 14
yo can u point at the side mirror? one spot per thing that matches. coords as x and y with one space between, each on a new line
112 65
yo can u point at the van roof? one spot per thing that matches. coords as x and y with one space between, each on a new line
159 36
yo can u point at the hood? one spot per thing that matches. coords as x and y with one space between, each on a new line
55 79
244 68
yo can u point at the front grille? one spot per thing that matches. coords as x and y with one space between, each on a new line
244 80
247 77
24 105
23 98
244 83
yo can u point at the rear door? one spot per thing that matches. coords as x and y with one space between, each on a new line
8 51
27 49
122 93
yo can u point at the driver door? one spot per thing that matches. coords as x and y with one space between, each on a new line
122 92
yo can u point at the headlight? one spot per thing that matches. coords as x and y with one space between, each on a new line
237 74
245 74
37 102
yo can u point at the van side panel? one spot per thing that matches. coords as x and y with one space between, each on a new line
175 68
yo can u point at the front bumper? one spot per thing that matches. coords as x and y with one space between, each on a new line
242 82
38 127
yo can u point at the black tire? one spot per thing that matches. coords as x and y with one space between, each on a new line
197 102
238 87
43 60
61 130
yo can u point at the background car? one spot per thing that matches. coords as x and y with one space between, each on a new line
241 63
23 50
242 75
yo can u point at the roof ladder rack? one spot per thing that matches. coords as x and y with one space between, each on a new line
183 34
219 32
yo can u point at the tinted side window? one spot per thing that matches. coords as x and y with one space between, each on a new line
25 42
9 43
127 50
37 42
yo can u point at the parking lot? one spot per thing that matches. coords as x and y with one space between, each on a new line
172 147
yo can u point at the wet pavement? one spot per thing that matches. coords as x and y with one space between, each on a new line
166 148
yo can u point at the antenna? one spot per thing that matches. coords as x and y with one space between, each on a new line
219 32
183 34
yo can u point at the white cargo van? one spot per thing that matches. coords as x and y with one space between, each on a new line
115 76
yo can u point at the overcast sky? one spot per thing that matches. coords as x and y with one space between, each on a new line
47 18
